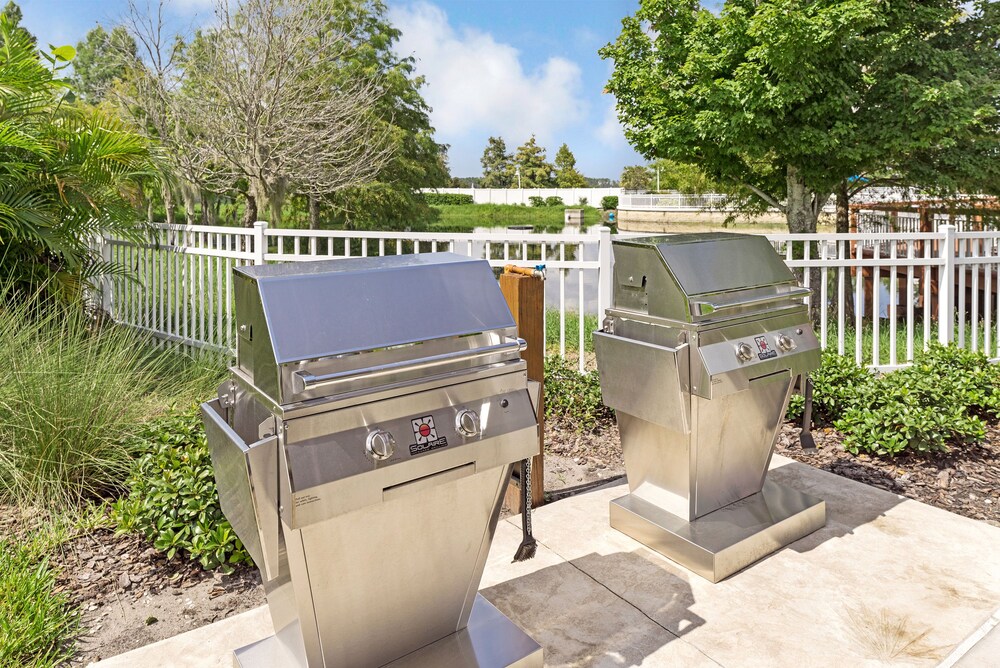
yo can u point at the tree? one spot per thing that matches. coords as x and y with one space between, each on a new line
790 99
391 196
536 172
566 174
636 177
265 102
102 58
66 173
498 165
682 177
14 16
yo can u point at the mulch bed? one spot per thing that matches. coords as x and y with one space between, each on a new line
965 481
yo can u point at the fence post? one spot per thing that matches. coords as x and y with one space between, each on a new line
604 271
946 285
105 280
260 242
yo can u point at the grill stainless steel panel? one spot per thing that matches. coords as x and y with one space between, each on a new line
698 356
362 447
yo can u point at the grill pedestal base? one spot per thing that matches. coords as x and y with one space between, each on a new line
722 542
489 641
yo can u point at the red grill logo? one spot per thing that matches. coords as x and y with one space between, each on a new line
423 429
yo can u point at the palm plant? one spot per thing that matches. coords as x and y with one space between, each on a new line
67 172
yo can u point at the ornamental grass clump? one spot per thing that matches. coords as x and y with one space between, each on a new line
71 392
37 625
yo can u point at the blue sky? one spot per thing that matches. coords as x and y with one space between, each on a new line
493 67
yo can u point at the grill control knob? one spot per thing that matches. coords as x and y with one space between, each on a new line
786 343
744 352
380 444
467 423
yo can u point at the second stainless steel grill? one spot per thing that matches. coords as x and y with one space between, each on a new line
362 449
698 356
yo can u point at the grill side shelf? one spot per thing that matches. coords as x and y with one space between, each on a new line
648 381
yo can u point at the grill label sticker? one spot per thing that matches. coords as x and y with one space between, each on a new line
425 435
764 351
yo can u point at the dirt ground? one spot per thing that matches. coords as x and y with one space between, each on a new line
131 595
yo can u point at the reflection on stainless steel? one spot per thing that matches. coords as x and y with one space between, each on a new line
698 356
362 449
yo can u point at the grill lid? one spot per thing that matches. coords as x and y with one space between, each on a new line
692 277
360 312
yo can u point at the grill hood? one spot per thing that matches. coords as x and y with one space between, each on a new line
701 277
306 330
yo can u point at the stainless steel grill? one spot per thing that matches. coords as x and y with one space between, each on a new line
362 447
698 356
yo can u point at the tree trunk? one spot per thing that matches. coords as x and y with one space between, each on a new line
843 227
802 209
313 212
190 216
250 215
149 210
168 204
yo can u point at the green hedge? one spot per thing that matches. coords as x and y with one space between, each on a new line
447 199
942 400
609 202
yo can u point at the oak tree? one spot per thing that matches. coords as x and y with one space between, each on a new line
789 99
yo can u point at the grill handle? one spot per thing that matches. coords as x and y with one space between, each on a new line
303 380
707 307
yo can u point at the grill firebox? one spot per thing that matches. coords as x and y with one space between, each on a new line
362 447
698 356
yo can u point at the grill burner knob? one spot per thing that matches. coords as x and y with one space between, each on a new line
786 343
380 444
744 352
467 423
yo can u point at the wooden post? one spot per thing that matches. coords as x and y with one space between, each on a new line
525 297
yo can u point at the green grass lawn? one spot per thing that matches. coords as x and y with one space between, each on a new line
467 217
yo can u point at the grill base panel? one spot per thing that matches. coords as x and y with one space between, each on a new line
490 640
727 540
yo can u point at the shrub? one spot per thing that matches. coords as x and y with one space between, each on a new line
447 199
583 201
70 394
172 498
553 201
36 624
574 398
535 200
609 202
941 400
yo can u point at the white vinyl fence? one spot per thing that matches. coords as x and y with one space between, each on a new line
881 297
182 288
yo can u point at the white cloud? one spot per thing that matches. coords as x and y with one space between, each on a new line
610 132
478 85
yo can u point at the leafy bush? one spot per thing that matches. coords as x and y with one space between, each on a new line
941 400
553 201
535 200
574 398
172 498
609 202
583 201
70 394
36 624
447 199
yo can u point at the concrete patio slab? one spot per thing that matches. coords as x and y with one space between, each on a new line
888 581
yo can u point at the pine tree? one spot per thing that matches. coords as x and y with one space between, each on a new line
498 168
566 174
536 171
